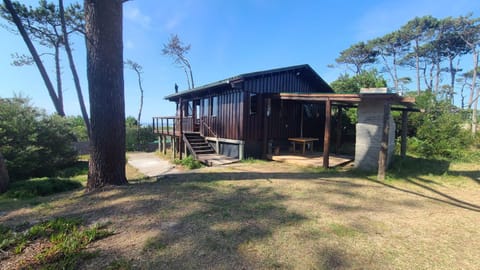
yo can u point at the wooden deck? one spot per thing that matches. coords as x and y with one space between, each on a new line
310 159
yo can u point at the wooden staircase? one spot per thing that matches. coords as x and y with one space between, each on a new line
202 151
198 144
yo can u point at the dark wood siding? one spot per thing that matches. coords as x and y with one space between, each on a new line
228 122
286 82
235 121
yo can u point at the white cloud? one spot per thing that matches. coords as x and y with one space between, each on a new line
135 15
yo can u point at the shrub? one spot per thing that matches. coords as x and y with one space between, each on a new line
189 162
438 131
77 126
32 142
138 141
40 187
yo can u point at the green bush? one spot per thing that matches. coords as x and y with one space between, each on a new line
188 162
77 126
438 130
40 187
138 141
33 143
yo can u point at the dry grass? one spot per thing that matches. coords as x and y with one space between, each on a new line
269 216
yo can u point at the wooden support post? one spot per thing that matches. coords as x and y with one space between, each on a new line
241 150
173 138
338 143
265 129
180 140
326 135
159 143
174 147
403 143
383 155
164 144
301 120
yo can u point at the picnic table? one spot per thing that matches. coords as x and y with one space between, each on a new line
303 141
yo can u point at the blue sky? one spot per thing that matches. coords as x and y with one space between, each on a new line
227 38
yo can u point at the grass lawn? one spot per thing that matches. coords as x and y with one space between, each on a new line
266 215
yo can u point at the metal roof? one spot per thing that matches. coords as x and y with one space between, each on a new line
307 72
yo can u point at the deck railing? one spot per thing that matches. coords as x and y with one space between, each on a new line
170 125
165 125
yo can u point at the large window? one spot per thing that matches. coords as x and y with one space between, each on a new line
205 107
214 111
253 103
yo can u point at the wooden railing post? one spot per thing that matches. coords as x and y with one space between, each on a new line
326 135
180 137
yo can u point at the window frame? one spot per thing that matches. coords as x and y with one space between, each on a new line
253 103
214 108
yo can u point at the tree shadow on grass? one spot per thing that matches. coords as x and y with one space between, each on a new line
411 167
220 234
444 198
473 175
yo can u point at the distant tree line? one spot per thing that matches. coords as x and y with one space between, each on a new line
437 50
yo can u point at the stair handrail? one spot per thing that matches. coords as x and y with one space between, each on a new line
217 147
209 129
189 146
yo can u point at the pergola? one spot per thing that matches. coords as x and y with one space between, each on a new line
389 101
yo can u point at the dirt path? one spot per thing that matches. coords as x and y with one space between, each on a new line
149 164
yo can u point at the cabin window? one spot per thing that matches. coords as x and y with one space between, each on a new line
205 107
214 111
187 109
253 103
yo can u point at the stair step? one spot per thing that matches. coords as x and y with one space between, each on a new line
206 147
207 151
198 144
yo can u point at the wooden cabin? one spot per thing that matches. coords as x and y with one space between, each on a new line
237 117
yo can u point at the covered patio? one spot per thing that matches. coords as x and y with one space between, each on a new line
374 139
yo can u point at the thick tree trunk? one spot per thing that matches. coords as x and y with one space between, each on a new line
4 179
51 90
107 102
74 70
